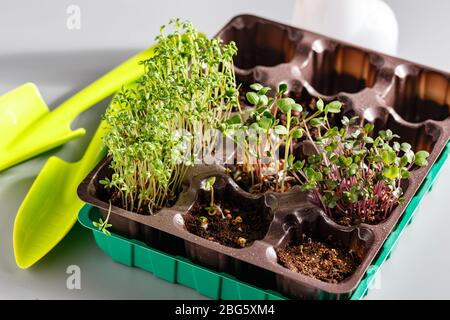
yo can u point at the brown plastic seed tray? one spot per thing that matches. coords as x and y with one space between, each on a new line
410 99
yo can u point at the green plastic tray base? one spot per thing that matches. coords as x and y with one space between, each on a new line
218 285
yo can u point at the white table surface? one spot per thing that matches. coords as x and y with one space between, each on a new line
36 46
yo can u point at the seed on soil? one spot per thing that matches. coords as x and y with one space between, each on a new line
242 241
236 220
250 225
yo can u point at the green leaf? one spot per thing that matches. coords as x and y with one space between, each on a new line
388 156
297 133
368 127
404 173
421 158
310 173
236 119
405 147
396 146
333 132
254 126
368 140
387 135
353 169
285 104
281 130
104 181
261 109
291 159
345 161
403 161
316 122
377 141
265 123
307 186
268 114
345 121
211 181
256 86
263 100
421 162
350 196
391 172
282 88
297 107
314 158
410 156
263 91
319 105
253 98
318 176
333 107
332 146
298 165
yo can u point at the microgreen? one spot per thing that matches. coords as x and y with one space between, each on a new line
208 185
188 88
104 225
354 174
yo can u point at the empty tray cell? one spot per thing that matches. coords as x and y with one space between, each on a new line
419 136
340 68
228 215
261 43
421 95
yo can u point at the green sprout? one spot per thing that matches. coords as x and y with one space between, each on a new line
188 88
208 185
356 175
203 222
104 225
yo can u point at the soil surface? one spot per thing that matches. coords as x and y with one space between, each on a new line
244 180
373 217
116 200
237 229
318 260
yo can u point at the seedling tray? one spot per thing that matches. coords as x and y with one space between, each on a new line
410 99
217 285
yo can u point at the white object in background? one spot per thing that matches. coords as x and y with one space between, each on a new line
369 23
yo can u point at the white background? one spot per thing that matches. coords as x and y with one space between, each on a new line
36 46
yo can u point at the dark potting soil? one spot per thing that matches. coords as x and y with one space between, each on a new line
319 260
116 200
373 217
236 228
244 180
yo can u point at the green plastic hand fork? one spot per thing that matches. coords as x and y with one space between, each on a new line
27 126
50 208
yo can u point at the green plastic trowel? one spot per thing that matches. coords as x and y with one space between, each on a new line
50 208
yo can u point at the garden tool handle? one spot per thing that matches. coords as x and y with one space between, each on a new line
100 89
94 153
